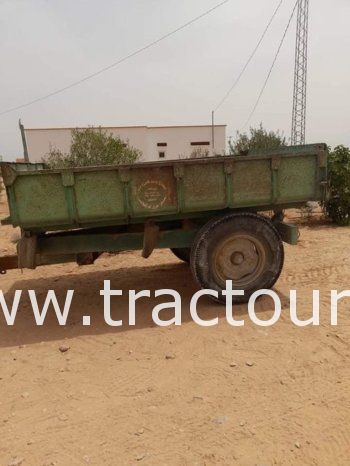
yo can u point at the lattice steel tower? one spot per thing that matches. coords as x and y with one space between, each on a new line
300 75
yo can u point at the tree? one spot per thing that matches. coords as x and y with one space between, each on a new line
92 146
337 206
257 139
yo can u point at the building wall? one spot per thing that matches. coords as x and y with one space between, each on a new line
155 143
180 141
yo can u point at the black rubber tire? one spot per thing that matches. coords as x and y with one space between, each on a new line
184 254
218 231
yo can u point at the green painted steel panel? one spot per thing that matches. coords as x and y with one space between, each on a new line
40 200
252 183
297 178
99 194
204 187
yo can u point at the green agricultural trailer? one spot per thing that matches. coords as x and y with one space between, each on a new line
210 212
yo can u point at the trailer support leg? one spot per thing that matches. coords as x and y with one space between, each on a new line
150 238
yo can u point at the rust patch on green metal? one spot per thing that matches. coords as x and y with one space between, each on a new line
152 194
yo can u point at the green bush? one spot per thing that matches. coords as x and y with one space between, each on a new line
257 139
93 146
337 206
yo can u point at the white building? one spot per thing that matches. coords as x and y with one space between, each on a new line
155 142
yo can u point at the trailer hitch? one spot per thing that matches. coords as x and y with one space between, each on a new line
8 263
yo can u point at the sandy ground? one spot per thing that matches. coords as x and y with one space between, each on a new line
169 396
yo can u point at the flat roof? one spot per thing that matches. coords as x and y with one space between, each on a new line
125 127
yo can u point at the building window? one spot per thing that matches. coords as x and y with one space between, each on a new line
162 144
161 155
200 143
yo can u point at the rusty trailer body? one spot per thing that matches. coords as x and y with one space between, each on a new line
78 213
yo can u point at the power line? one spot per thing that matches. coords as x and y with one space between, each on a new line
250 57
272 66
116 63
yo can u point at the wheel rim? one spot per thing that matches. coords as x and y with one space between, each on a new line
240 258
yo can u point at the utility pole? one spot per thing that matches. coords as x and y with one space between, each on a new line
24 142
213 131
300 75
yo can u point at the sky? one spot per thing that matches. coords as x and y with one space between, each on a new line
47 44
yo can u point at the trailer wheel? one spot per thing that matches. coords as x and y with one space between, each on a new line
183 254
243 247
